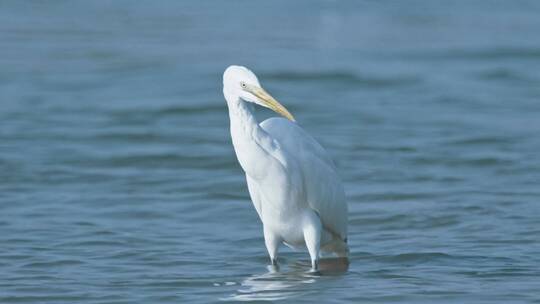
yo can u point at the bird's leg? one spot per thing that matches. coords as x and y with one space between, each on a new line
312 236
271 240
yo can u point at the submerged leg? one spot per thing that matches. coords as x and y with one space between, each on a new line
271 240
312 236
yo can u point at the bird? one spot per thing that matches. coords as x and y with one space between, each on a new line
292 181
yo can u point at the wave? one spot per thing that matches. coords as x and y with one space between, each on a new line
342 78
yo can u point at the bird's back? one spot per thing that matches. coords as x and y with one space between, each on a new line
322 185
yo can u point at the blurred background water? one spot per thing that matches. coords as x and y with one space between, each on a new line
119 184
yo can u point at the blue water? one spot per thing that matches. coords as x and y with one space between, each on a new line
119 184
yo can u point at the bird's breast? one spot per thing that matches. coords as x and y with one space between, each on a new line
288 227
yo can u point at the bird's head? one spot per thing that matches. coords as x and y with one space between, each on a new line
239 81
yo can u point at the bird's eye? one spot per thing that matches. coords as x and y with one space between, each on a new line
243 84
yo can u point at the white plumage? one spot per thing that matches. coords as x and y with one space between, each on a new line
291 179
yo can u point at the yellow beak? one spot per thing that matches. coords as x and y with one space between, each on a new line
270 102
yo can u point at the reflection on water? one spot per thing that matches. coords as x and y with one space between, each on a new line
278 285
274 286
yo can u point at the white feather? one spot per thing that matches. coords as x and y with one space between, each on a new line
292 181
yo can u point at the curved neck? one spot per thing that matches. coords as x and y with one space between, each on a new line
251 143
241 114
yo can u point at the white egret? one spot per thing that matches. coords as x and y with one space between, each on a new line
291 179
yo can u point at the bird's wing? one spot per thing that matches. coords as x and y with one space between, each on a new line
322 185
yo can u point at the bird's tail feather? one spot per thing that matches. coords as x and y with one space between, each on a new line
337 246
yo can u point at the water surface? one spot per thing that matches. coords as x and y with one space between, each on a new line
118 182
